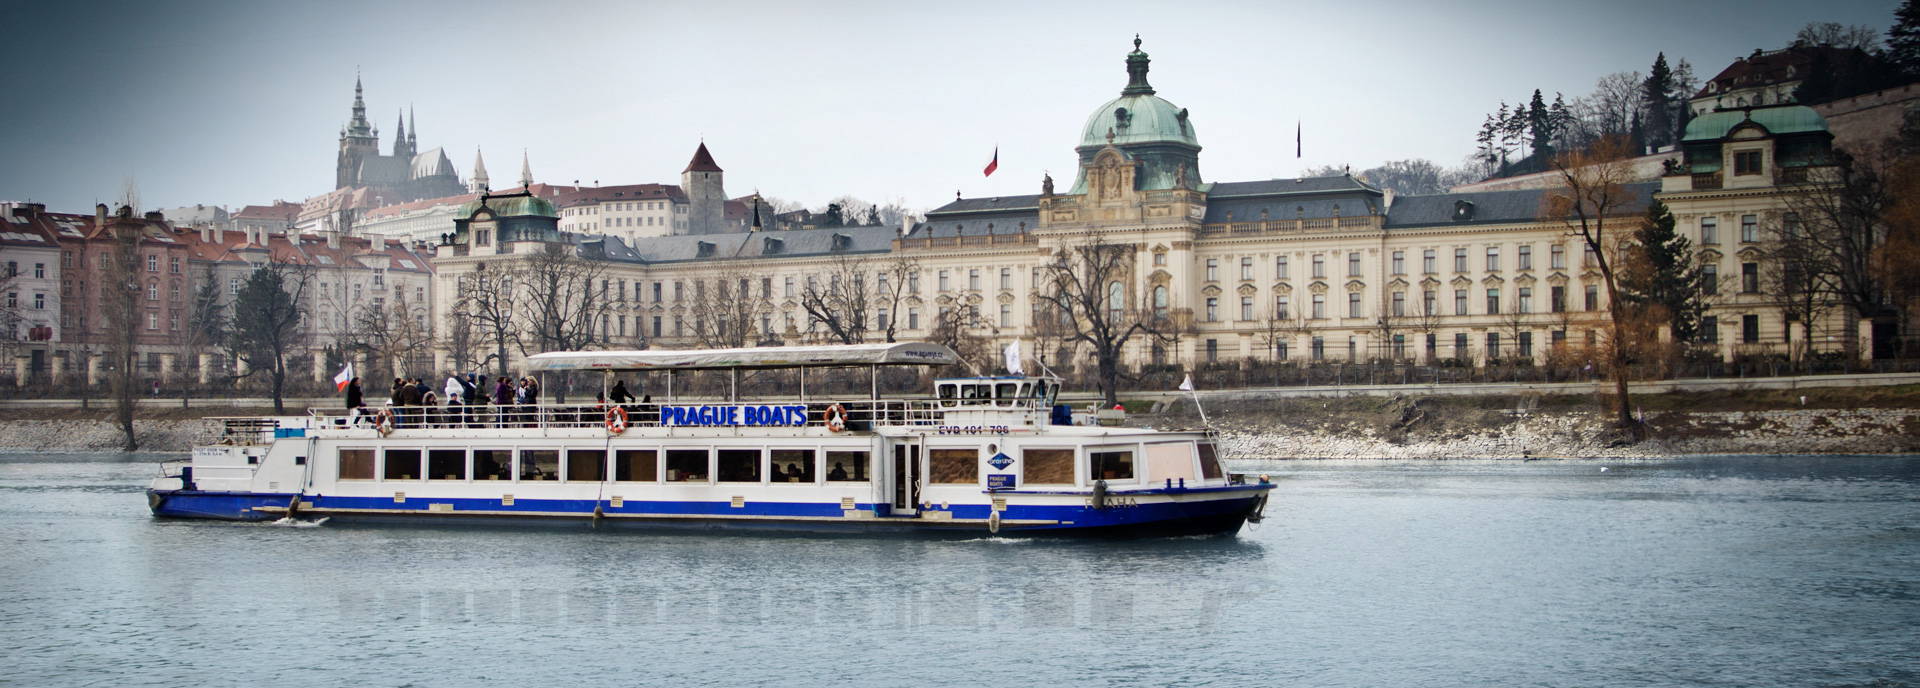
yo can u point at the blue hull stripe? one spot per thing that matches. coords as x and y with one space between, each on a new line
247 507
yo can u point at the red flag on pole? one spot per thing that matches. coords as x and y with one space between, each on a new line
995 164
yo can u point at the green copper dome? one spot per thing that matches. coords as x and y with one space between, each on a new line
511 205
1789 119
1138 116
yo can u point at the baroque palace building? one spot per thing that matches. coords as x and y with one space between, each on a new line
1328 268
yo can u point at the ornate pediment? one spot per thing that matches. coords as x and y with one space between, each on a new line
944 299
1005 297
1211 290
1524 280
1749 255
974 299
1493 280
1356 285
1430 282
1283 288
1159 248
1461 282
1558 279
1397 283
1318 287
1711 256
1247 290
1159 277
911 301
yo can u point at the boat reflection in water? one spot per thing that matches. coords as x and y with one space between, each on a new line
983 455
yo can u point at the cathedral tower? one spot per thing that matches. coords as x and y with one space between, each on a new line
357 142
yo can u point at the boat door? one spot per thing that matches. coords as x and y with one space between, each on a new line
906 478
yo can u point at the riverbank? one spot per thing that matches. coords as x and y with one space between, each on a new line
1882 420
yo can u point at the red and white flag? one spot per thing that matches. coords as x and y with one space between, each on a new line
346 375
995 164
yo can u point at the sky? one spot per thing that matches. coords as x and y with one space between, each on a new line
237 103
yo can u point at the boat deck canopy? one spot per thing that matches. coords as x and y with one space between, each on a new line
900 353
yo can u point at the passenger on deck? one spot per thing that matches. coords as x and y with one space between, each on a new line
839 472
775 475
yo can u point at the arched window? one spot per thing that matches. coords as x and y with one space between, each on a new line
1160 303
1116 300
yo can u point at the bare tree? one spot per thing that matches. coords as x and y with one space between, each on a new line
1594 205
957 327
1799 274
1838 35
564 299
269 317
729 299
119 294
1088 280
1841 222
837 302
206 326
485 307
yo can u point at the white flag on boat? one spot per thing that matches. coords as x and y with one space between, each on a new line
1013 358
346 375
1187 384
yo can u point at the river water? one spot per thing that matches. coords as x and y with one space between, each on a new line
1725 571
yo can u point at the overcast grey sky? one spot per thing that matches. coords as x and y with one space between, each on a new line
232 103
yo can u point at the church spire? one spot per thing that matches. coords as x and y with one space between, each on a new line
400 137
413 132
359 127
1137 72
526 170
479 172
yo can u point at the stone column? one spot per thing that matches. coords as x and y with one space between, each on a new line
166 367
93 368
320 372
206 367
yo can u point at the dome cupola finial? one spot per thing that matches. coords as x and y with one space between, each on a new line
1137 72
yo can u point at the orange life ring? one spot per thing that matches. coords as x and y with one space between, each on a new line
835 417
616 420
383 421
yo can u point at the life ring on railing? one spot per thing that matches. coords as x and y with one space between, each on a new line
383 421
616 420
835 417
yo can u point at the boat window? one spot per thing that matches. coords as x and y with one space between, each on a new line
847 466
1169 461
356 464
636 466
953 466
1026 388
947 395
402 464
1209 461
539 464
1006 393
586 465
791 466
739 465
1110 465
687 465
447 464
493 464
1047 466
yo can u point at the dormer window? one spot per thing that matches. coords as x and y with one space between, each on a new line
772 246
1746 163
1462 211
706 249
841 242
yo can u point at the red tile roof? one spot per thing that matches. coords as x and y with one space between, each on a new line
629 192
702 161
1764 68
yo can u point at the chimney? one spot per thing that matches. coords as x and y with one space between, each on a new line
333 239
100 215
1386 203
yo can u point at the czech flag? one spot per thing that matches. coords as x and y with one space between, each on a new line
346 375
995 164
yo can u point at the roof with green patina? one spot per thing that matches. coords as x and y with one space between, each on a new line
1785 119
510 205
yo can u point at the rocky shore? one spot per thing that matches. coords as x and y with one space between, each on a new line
1390 429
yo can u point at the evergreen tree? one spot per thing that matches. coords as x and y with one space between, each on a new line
1540 125
1560 119
1819 85
1662 274
1657 93
832 217
1903 38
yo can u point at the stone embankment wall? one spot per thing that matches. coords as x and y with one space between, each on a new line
18 436
1586 435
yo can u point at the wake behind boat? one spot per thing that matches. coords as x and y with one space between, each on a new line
982 455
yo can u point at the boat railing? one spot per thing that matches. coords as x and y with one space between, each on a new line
862 414
238 431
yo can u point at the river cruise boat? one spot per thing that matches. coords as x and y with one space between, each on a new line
982 455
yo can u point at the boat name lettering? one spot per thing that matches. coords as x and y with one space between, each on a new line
771 415
1117 502
973 430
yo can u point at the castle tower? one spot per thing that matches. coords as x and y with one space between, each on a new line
357 142
526 171
479 173
702 182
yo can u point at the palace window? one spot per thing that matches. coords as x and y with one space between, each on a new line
1493 302
1558 298
943 280
1159 303
1459 302
1710 279
1746 163
1399 262
973 280
1524 300
1460 259
1750 278
1280 268
1709 231
1353 304
1213 269
1353 264
1593 297
1429 303
1319 266
1319 306
1749 228
1557 257
1006 279
1280 310
1493 259
1524 258
1246 308
1246 268
1213 310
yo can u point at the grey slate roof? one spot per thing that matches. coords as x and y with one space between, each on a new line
1287 186
1521 205
799 242
995 203
1281 207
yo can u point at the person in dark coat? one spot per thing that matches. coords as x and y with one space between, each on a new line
409 400
503 401
619 393
355 401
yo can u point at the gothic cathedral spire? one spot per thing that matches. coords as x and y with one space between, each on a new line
400 138
526 170
479 172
